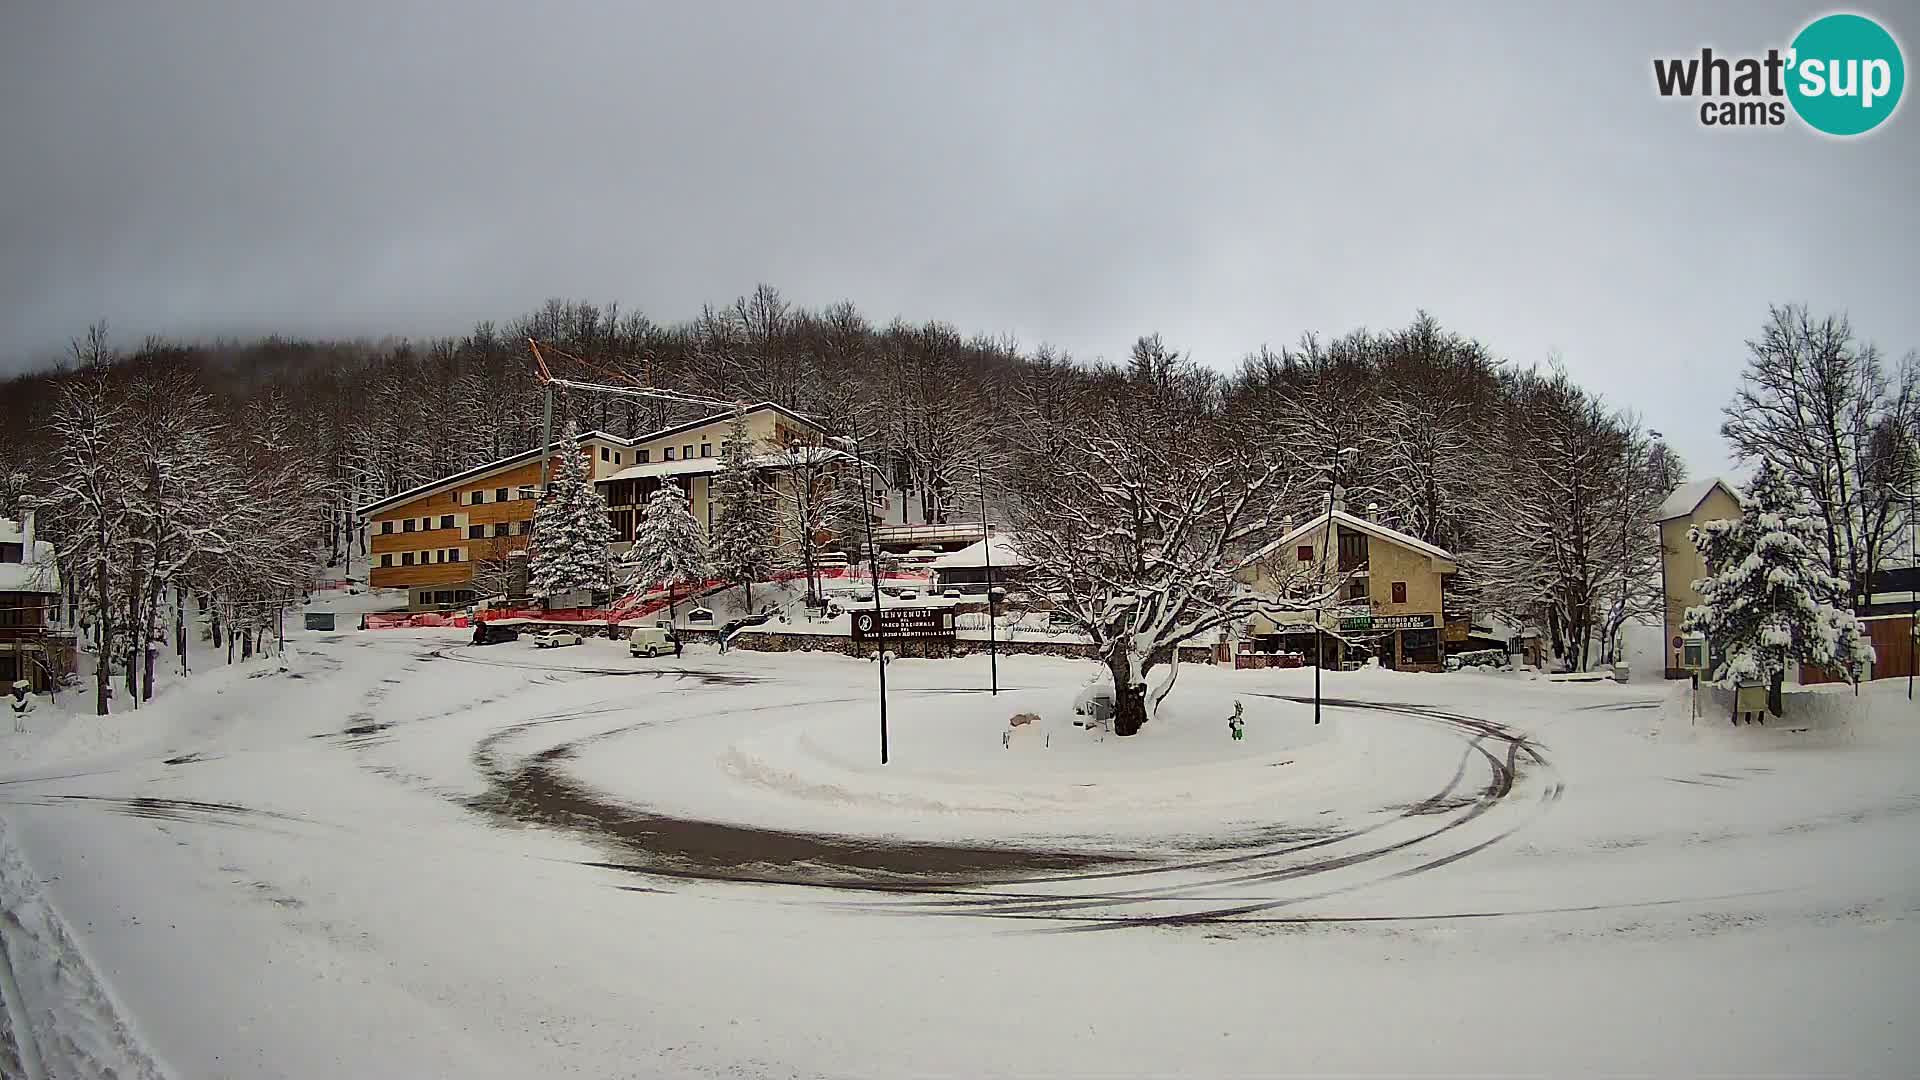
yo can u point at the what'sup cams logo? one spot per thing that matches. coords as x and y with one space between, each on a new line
1842 75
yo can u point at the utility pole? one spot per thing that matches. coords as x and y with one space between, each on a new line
1913 562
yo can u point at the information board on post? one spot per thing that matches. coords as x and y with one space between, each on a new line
903 622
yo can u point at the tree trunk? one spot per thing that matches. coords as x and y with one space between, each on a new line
150 621
135 627
1774 704
1129 697
102 659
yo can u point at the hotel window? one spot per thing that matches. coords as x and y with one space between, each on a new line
1303 553
386 559
640 456
706 449
446 521
479 497
523 527
1353 550
1356 589
616 457
475 532
499 494
1399 592
407 525
666 454
686 452
386 526
406 558
453 554
499 528
606 454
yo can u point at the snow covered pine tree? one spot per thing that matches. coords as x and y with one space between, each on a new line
1768 593
667 544
744 524
571 528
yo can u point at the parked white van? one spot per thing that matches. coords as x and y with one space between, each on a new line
649 641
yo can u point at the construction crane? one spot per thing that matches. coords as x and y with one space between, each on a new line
548 380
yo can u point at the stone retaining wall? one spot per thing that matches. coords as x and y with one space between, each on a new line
930 648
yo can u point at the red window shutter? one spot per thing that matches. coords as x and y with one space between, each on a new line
1304 553
1399 592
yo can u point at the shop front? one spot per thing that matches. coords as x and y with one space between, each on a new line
1402 642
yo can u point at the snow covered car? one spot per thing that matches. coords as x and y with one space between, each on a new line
700 614
908 594
951 593
745 621
553 639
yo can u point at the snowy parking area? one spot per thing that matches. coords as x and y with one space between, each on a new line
405 855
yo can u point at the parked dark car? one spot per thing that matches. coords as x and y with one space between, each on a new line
486 633
744 620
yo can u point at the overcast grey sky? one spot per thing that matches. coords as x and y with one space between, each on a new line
1077 174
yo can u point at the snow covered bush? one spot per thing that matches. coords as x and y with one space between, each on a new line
1769 596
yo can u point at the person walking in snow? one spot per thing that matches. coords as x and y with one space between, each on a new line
21 704
1237 724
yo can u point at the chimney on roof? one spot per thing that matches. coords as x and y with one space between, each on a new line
26 534
1373 510
1339 499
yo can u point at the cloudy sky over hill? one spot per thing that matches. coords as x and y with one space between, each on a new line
1229 175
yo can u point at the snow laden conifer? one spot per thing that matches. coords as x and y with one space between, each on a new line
745 528
1769 593
571 528
668 544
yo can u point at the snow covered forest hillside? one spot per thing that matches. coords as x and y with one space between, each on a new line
1543 490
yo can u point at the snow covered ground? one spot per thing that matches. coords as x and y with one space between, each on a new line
407 856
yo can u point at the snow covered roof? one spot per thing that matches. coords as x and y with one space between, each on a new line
1348 521
432 486
1688 496
975 555
681 467
697 466
37 573
728 415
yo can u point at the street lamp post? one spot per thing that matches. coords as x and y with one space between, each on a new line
1320 609
986 546
1913 561
873 568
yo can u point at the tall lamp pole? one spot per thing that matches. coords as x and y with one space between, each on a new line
1320 609
1913 562
873 566
986 546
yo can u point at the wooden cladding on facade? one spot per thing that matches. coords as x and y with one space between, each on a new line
456 503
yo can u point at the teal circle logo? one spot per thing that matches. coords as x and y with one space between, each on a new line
1845 74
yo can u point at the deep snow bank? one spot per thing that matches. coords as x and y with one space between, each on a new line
1812 715
59 1020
